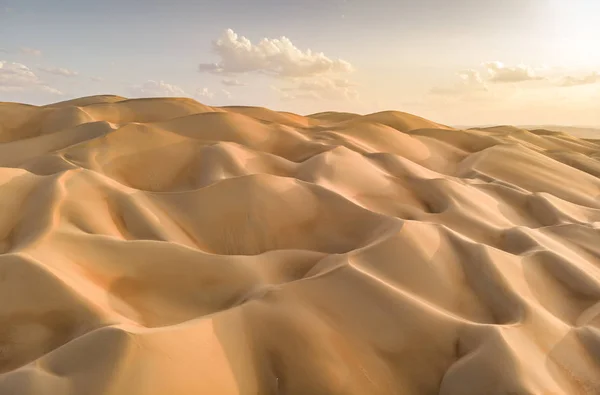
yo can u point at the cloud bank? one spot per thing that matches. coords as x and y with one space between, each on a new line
585 80
313 75
18 77
153 88
157 89
469 81
59 71
499 73
273 56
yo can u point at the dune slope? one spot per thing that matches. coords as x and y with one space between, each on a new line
161 246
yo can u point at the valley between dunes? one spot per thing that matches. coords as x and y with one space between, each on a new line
161 246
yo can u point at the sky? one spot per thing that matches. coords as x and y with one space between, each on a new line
459 62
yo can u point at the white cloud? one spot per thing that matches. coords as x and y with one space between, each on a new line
59 71
470 81
30 51
226 93
498 72
232 82
18 77
585 80
49 89
275 56
204 93
471 77
152 88
320 88
96 79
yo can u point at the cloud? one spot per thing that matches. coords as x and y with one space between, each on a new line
343 83
470 81
585 80
96 79
272 56
500 73
59 71
226 93
18 77
152 88
319 88
204 93
49 89
30 51
471 77
232 82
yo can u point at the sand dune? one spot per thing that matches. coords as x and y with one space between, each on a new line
581 132
161 246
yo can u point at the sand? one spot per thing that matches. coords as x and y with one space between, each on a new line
161 246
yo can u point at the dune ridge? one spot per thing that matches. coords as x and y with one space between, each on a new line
162 246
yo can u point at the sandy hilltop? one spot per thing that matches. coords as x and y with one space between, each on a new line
162 246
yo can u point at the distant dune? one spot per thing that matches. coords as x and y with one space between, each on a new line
162 246
577 131
585 133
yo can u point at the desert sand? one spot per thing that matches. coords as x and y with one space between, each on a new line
161 246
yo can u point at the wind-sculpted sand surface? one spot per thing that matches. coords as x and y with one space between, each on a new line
161 246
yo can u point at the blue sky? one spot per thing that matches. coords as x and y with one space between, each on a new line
460 62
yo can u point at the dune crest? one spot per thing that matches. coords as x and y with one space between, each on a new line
162 246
